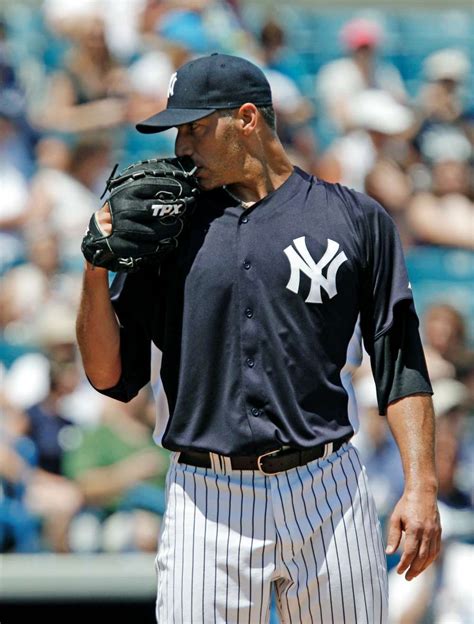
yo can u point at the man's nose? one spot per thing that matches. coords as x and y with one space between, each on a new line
183 146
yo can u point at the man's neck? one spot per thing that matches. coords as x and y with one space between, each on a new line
263 174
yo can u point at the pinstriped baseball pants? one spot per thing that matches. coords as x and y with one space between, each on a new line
227 535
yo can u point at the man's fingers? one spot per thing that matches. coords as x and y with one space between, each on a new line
435 545
427 551
394 535
422 532
410 550
421 560
438 543
425 546
103 219
434 550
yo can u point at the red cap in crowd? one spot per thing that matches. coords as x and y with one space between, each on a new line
361 32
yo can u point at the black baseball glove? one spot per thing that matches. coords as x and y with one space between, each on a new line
149 203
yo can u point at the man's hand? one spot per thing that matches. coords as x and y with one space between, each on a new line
411 420
104 219
148 207
416 514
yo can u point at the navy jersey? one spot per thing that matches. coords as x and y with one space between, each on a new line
254 313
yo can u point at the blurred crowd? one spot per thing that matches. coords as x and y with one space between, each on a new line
81 473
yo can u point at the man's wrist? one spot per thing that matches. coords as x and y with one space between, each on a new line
422 485
92 269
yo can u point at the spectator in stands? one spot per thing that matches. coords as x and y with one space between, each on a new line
28 286
202 25
17 136
121 474
16 164
65 191
436 596
450 408
31 287
12 212
444 213
49 494
49 336
122 21
35 496
339 81
25 290
150 15
278 55
295 112
19 528
373 156
445 334
90 91
46 423
441 105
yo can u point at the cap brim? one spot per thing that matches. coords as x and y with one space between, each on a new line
171 117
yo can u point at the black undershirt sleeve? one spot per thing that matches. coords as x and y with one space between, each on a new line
397 359
388 318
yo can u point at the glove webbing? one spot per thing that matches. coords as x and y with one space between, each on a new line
143 173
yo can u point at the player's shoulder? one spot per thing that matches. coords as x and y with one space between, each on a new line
347 198
360 206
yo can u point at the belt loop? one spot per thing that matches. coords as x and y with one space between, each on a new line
227 462
328 449
174 457
216 463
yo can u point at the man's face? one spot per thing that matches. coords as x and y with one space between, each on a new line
214 145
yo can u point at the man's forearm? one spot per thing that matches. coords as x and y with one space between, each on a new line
411 421
97 329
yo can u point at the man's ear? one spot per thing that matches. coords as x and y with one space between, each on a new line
248 118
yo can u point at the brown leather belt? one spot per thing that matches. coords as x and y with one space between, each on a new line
268 463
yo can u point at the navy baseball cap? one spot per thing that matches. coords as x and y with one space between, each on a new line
205 85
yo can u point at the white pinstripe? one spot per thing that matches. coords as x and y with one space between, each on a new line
228 535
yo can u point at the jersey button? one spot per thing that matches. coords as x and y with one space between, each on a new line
256 411
250 362
247 265
249 312
244 220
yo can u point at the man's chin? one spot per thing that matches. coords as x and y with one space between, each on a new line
208 185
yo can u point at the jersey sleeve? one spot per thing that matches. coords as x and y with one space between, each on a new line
389 323
133 305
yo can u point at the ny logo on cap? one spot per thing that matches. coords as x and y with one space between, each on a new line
301 261
173 80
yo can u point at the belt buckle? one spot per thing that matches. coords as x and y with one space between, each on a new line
259 463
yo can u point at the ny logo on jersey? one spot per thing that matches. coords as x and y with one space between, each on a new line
300 260
165 210
172 82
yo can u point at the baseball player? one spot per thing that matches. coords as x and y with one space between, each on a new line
253 312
